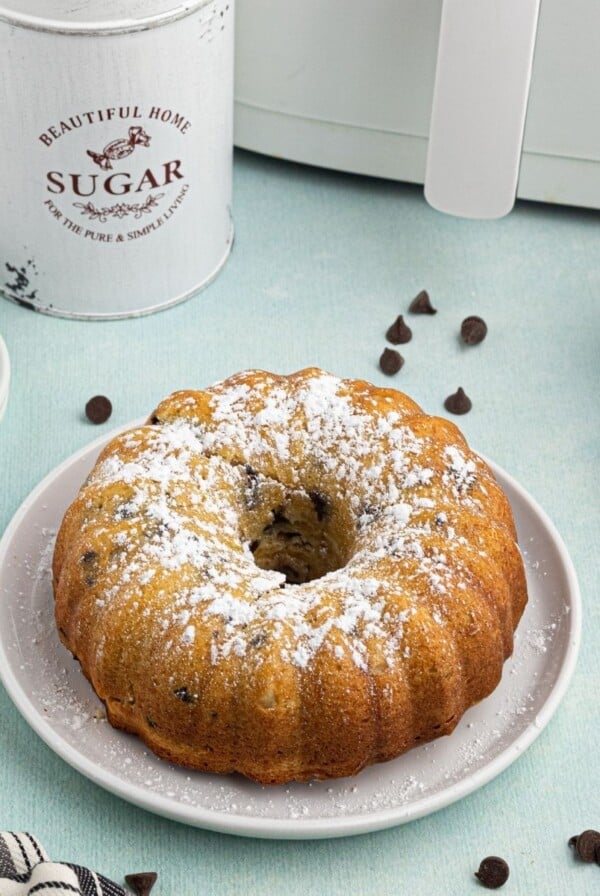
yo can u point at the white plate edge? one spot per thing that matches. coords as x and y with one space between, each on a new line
299 829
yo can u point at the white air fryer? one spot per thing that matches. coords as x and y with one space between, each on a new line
457 94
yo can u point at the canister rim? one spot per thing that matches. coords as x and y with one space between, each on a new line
12 15
4 376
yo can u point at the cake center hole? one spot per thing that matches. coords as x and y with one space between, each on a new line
299 540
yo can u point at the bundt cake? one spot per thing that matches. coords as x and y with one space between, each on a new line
289 577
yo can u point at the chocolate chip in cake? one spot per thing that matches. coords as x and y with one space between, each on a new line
458 403
390 361
586 845
258 639
473 330
184 695
320 503
98 409
89 557
125 512
421 304
142 882
493 872
399 332
251 486
88 561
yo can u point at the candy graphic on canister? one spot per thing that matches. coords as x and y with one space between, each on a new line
120 148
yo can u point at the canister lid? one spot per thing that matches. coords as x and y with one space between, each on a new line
4 376
98 16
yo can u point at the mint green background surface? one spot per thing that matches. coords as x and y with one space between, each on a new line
322 264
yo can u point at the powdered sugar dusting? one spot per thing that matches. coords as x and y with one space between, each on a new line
184 484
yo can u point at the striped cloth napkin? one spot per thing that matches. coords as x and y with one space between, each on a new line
26 869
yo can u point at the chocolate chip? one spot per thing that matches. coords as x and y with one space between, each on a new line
473 330
88 560
125 512
458 403
98 409
89 557
279 518
320 503
399 332
141 883
493 872
366 515
184 695
390 361
421 304
586 845
251 486
258 639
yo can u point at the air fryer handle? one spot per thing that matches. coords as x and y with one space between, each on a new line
482 79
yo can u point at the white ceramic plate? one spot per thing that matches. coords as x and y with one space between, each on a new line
56 700
4 376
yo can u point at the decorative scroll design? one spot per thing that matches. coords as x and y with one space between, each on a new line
120 209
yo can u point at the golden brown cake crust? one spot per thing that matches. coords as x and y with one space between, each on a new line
289 577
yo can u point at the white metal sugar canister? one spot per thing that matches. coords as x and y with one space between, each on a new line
116 141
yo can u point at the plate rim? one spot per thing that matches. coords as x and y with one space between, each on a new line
284 828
